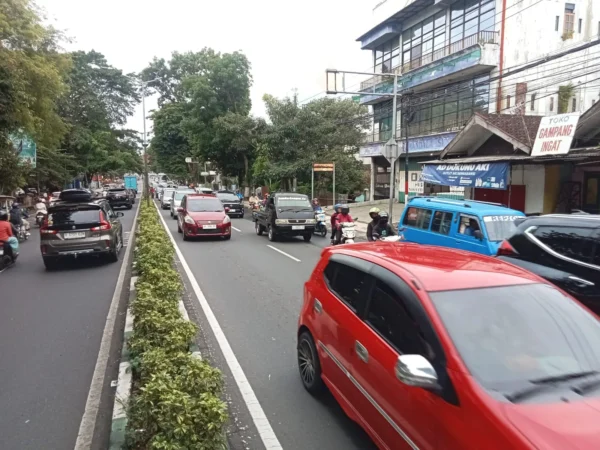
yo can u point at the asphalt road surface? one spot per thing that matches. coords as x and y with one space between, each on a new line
255 292
51 325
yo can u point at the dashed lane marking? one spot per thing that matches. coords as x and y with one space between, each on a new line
284 253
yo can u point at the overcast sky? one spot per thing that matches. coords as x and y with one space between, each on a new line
289 44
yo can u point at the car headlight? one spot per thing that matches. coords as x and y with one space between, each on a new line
189 220
311 221
226 219
281 221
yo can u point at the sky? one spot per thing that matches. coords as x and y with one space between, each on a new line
289 44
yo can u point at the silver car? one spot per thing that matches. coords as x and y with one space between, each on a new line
166 198
177 196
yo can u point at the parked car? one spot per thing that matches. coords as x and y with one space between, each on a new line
286 214
176 197
119 197
562 248
432 347
166 197
78 225
470 225
231 201
202 215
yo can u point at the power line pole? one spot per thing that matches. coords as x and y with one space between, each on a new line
145 145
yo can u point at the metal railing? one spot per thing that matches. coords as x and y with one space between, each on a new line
482 37
382 136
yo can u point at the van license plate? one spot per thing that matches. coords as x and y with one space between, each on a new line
210 227
75 235
297 227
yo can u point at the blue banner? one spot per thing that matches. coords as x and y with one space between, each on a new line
482 175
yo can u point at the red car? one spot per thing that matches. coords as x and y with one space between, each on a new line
203 215
435 348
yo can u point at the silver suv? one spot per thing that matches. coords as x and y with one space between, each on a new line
80 226
176 198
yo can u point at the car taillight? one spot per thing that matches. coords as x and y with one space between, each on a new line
44 228
104 224
506 249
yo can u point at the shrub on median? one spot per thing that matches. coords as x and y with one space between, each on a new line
175 403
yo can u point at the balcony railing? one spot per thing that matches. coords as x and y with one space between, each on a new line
482 37
382 136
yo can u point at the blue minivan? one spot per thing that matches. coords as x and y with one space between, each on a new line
471 225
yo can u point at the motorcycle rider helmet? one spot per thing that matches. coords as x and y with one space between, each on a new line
383 217
373 212
336 207
345 209
16 205
3 215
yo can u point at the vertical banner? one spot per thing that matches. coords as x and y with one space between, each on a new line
25 148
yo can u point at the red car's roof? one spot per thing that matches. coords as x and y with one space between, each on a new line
440 268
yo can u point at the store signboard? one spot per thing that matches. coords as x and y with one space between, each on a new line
478 175
555 135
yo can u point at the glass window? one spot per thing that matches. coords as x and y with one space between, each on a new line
389 317
297 201
500 227
418 42
519 333
468 225
442 221
70 216
574 243
204 205
349 284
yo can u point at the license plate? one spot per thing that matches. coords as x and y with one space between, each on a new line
74 235
297 227
210 227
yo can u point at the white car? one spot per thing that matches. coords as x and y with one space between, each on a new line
176 198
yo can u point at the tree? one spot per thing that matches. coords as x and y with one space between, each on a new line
170 144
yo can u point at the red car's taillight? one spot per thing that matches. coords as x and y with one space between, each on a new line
104 224
506 249
44 228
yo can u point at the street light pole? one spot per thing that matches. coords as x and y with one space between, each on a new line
393 152
145 145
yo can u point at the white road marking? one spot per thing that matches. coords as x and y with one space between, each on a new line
261 422
239 231
92 404
283 253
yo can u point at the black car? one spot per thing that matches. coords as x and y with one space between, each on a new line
231 201
564 249
285 215
119 197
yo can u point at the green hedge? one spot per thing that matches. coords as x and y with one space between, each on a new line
175 401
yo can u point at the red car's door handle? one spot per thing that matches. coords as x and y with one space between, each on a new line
361 351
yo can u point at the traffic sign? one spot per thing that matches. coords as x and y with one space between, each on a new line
323 167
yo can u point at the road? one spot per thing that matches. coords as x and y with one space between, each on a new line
255 292
51 324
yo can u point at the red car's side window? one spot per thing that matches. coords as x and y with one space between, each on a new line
346 283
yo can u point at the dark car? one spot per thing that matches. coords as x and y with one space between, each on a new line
231 201
78 225
119 197
132 194
285 215
563 249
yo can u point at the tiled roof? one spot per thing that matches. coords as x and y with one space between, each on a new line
520 128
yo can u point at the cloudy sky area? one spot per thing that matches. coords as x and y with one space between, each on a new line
289 44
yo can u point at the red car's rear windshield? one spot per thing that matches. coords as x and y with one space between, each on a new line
204 205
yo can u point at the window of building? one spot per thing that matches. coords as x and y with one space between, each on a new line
347 283
551 104
532 106
468 18
580 25
556 22
569 21
423 40
382 121
449 108
574 105
441 222
508 101
387 56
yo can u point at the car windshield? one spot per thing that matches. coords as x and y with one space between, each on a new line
204 205
180 194
167 192
500 227
510 335
116 190
292 201
228 197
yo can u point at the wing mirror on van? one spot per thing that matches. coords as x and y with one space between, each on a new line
478 235
416 371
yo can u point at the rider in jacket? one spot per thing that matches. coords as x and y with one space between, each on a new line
383 228
343 217
374 214
336 211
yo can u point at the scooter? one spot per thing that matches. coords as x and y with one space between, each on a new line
22 233
321 226
348 233
40 216
5 260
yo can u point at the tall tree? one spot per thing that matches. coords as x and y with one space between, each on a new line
170 145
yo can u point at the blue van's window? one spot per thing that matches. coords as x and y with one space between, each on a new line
468 225
500 227
441 222
418 218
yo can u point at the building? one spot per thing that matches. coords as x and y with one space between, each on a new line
456 57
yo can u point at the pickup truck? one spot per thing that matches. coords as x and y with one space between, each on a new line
285 215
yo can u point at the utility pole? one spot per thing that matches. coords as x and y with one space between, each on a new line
408 116
145 145
393 156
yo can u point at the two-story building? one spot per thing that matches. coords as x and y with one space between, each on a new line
456 57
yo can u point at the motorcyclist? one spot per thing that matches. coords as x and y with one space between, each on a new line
383 228
7 230
343 217
374 215
315 204
336 211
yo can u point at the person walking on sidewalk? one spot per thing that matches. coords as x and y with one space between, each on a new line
374 215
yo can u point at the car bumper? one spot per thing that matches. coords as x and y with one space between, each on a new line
88 247
119 202
287 230
235 212
198 231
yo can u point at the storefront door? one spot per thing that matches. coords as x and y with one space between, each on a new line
591 194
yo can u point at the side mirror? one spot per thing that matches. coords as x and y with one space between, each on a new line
180 209
416 371
120 214
478 235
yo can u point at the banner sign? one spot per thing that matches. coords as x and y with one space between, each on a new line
555 135
25 148
488 175
323 167
433 143
371 150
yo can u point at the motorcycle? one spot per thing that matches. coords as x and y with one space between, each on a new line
22 234
5 260
321 226
348 233
40 216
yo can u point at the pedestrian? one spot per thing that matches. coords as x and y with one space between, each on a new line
374 215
